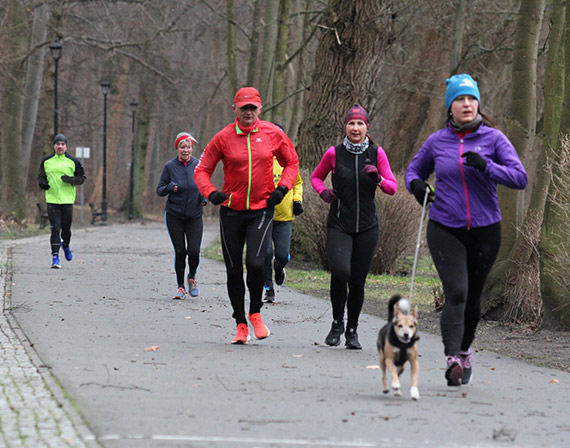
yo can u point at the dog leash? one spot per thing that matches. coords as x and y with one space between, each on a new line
418 243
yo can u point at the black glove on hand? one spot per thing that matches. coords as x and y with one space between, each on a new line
217 197
475 160
44 185
419 189
277 196
372 172
297 208
328 195
73 180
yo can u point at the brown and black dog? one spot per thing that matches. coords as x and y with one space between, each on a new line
398 343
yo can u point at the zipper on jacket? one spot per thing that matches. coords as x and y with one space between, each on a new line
464 183
356 165
249 171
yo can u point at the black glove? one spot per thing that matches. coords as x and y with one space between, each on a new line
297 208
277 196
475 160
44 185
217 197
419 190
73 180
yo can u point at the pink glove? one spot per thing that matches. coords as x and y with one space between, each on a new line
372 172
328 195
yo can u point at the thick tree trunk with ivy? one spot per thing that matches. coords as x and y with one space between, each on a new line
521 128
13 43
354 39
554 248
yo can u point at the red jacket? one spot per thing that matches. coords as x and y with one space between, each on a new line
248 164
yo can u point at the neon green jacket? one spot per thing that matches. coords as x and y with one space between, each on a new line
52 168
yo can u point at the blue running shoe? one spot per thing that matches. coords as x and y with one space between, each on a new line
67 252
180 294
193 287
55 262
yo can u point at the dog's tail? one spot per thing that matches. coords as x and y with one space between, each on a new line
395 299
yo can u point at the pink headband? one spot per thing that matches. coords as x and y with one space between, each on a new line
182 138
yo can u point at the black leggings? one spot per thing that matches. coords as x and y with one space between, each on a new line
349 257
186 237
463 259
251 228
60 218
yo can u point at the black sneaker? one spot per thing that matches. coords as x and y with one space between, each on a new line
337 329
280 276
454 371
269 296
352 339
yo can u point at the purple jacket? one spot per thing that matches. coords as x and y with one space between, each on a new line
465 196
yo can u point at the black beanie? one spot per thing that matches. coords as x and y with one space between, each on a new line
60 138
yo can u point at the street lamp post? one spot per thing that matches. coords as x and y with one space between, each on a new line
55 49
105 87
133 105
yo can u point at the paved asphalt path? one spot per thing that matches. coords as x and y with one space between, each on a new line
90 322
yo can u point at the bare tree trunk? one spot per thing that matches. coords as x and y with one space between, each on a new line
253 62
521 117
34 76
269 42
458 28
516 253
355 38
278 110
553 245
13 42
303 24
231 48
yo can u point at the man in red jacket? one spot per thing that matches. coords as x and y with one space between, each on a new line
248 197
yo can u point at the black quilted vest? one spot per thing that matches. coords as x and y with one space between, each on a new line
355 209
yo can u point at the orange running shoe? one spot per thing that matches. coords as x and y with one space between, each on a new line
260 330
242 335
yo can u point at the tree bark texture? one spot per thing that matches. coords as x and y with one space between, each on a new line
521 128
231 48
355 37
14 43
269 42
278 110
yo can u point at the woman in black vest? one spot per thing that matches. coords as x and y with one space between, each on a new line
358 167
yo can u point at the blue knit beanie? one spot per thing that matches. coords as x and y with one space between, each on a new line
459 85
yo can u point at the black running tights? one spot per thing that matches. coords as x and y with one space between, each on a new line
186 237
463 258
60 218
349 257
252 229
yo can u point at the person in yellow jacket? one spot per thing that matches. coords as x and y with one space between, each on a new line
285 212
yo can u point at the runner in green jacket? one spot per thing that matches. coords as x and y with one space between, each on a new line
58 175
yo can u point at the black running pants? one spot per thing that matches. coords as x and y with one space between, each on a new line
186 237
463 258
252 229
60 218
349 257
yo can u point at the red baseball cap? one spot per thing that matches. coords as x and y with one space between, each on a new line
247 95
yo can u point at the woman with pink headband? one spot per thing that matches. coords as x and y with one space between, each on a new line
183 212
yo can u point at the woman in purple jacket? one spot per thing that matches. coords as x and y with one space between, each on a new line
469 158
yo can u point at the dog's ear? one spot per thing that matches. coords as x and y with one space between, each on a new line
415 312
